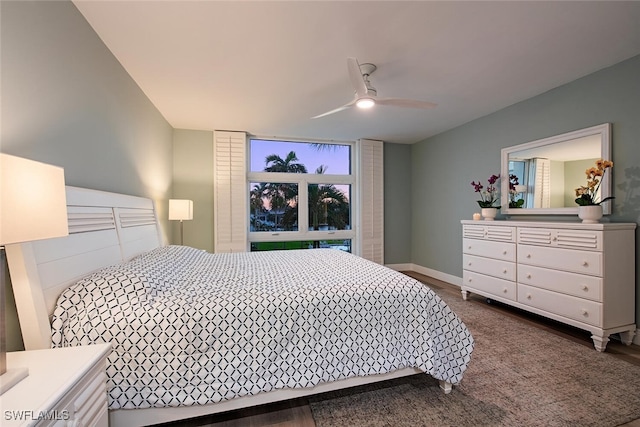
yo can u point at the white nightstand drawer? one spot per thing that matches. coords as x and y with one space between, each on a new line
583 262
497 268
579 309
488 285
579 285
490 249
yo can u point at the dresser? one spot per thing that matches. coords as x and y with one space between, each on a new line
65 387
579 274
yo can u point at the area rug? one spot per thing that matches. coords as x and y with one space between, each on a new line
519 375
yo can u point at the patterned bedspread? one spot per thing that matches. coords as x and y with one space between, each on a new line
188 327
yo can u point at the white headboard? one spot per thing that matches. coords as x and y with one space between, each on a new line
104 229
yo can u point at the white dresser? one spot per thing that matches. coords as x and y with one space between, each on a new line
579 274
65 387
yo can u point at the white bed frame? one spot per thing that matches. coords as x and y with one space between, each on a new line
106 229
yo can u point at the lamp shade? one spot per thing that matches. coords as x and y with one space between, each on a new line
33 202
180 209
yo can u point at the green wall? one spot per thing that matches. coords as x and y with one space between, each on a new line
193 180
397 196
443 166
67 101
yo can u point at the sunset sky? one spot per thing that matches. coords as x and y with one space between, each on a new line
337 159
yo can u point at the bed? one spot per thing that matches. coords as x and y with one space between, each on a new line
195 333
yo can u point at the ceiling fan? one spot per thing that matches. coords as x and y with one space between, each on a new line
366 95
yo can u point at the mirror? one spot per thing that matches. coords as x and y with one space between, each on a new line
548 171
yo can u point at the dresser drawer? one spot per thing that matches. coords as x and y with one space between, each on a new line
488 285
582 310
590 240
579 285
490 249
491 267
487 232
583 262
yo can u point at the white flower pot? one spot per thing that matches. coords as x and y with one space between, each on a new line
489 214
590 214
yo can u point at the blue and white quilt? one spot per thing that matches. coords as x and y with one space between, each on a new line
188 327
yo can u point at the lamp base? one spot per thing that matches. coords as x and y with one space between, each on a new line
11 378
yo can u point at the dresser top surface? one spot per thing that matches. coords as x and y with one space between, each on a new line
553 224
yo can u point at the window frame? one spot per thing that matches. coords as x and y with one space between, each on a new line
303 180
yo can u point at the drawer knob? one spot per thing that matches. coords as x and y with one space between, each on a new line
555 239
504 252
585 264
528 255
585 288
528 296
505 290
469 263
504 271
469 279
528 275
585 313
469 247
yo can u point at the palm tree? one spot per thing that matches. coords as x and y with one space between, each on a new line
275 163
327 205
256 202
284 196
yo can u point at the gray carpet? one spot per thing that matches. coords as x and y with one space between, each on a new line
519 375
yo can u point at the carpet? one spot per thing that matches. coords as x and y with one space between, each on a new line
519 375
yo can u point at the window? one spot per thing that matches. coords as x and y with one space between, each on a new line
519 169
285 208
300 194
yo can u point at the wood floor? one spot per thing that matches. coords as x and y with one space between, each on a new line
297 413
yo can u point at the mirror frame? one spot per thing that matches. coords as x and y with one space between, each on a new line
604 130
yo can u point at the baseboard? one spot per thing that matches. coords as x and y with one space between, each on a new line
636 338
449 278
400 267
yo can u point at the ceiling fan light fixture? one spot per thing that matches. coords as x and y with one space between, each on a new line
366 96
365 103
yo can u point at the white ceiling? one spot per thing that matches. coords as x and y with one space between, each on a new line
267 67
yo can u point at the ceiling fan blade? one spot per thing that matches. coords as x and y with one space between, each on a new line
357 80
406 103
336 110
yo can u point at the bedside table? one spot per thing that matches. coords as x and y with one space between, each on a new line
65 387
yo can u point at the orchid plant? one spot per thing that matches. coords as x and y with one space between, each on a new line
488 195
513 192
588 195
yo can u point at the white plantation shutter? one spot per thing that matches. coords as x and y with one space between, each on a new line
230 192
541 179
371 184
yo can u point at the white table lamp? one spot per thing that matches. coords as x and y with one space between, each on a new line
180 210
33 206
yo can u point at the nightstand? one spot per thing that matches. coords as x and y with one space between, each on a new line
65 387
